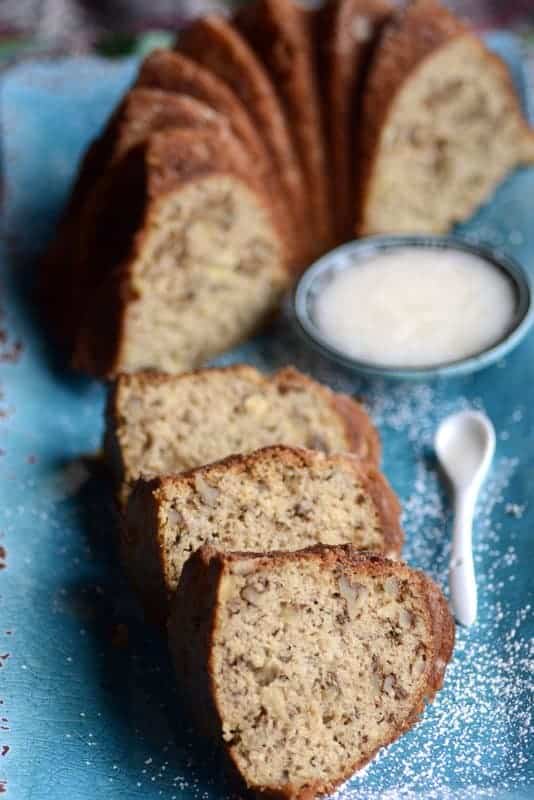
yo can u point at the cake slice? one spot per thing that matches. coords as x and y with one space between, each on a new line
218 46
69 275
174 72
346 33
158 424
278 31
441 125
277 498
305 664
191 262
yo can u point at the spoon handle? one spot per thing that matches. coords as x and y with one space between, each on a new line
462 582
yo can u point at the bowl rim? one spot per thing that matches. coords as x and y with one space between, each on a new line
522 321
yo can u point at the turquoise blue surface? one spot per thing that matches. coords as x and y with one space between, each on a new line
89 709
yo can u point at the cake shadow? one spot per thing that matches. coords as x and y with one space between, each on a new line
24 279
132 664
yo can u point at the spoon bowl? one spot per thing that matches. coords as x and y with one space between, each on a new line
465 446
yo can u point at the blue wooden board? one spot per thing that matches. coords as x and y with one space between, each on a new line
82 716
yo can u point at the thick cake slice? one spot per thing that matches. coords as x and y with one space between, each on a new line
278 31
305 664
346 32
159 424
175 72
441 125
277 498
217 45
70 274
190 259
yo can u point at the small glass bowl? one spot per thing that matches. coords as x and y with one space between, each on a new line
320 272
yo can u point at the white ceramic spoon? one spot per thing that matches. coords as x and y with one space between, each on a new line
465 445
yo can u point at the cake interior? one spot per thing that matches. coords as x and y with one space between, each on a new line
269 504
172 426
315 668
210 270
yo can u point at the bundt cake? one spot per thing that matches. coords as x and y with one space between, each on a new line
277 498
351 120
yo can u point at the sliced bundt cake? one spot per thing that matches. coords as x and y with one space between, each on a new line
277 498
159 424
217 45
441 125
189 254
304 664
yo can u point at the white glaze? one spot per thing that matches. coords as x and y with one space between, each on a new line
416 307
465 444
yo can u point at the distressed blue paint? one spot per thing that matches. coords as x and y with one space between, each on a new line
89 720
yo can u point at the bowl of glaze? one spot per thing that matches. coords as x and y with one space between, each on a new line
322 272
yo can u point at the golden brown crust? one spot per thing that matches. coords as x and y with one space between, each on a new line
204 570
362 437
165 162
346 32
444 635
141 552
279 32
173 72
388 507
218 46
199 584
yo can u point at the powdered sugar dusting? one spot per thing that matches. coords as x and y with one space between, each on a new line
480 727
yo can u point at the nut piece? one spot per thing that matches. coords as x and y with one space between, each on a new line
391 586
255 404
175 518
406 618
253 591
273 699
353 593
208 494
242 567
303 509
268 673
420 664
